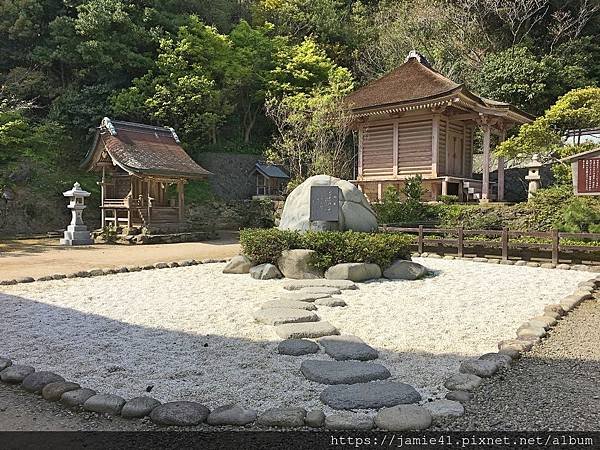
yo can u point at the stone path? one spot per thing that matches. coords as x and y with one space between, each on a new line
354 381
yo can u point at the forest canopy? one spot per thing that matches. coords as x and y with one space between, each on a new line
222 72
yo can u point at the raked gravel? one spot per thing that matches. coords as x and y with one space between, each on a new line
188 334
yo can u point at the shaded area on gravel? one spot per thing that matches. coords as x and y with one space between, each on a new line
556 386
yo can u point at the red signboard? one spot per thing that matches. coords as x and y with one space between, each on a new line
588 176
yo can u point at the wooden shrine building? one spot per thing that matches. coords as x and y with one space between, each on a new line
144 169
415 121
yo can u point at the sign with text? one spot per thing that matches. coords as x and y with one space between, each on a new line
324 203
588 176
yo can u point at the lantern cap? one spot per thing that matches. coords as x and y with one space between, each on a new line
76 191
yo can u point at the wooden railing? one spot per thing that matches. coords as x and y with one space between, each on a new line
459 238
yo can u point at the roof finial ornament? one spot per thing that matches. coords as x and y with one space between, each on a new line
174 134
106 123
413 54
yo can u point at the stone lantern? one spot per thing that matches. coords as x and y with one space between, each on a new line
76 233
534 176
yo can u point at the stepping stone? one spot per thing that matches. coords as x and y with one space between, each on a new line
180 413
320 290
459 396
279 316
315 418
139 407
283 417
480 367
76 397
331 302
462 382
346 347
305 330
348 422
343 372
231 415
16 374
297 347
302 296
294 285
403 418
36 381
53 391
373 395
440 409
104 404
292 304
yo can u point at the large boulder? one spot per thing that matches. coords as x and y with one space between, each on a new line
297 264
405 270
265 272
353 271
355 212
238 264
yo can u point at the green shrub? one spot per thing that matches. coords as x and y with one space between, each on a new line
579 216
392 209
331 247
448 199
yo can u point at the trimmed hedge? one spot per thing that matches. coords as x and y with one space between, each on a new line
332 247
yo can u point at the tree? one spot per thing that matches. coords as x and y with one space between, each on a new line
306 104
575 111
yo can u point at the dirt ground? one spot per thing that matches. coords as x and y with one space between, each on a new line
40 257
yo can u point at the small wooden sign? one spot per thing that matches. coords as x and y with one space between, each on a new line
324 204
588 176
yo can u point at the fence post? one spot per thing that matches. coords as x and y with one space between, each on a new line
420 240
461 236
504 244
555 246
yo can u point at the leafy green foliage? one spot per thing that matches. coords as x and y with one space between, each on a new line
405 206
331 247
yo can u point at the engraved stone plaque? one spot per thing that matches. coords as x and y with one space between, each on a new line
324 204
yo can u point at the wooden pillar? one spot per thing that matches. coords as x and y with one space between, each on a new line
379 192
395 148
180 201
445 186
361 133
501 170
149 201
102 195
485 190
435 144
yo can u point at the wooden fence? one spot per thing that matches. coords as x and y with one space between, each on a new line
458 238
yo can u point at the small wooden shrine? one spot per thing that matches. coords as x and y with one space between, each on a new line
144 169
415 121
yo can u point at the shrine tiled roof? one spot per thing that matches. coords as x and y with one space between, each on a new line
143 150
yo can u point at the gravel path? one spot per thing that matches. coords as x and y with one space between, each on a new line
556 386
188 333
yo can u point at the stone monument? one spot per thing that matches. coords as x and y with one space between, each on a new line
534 176
76 233
336 205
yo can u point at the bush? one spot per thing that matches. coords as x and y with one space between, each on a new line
392 209
332 247
448 199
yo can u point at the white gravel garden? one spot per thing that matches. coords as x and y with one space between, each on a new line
188 333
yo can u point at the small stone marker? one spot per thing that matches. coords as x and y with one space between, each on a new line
139 407
231 415
403 418
305 330
283 417
16 373
343 372
104 404
373 395
462 382
347 347
76 397
53 391
349 421
279 316
297 347
180 413
36 381
440 409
